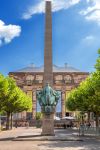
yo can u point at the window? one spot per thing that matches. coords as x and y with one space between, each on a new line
39 79
58 79
29 79
68 79
38 107
58 107
78 78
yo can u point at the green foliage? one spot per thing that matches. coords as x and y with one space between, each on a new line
12 98
38 115
86 98
97 66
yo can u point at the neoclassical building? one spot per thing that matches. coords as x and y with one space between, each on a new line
63 79
30 80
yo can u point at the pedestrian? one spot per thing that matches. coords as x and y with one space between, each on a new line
27 124
16 124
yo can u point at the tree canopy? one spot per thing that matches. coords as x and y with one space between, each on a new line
87 96
12 98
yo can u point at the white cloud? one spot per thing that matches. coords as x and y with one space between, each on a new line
56 6
8 32
92 13
88 40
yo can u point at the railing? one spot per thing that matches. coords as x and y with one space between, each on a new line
89 131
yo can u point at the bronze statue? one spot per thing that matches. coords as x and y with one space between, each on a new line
48 98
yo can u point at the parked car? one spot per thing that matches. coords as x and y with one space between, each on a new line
68 118
57 118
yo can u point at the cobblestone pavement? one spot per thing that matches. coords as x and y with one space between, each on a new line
86 144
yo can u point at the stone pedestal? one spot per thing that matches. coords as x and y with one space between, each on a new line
48 124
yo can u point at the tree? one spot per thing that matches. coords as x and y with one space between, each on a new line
38 115
3 90
95 98
87 96
77 99
12 98
97 65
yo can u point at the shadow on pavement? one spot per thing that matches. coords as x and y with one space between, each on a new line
72 145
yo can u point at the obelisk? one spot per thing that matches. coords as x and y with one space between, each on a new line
48 120
48 73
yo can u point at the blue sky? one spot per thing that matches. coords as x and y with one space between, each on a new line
76 32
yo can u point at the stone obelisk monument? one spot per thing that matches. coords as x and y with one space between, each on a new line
47 97
48 73
48 120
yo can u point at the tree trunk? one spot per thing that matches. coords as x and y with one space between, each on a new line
97 120
88 116
0 122
11 121
82 126
8 121
82 119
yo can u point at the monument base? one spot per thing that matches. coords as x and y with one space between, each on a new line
48 125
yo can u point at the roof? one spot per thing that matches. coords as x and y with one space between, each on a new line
33 68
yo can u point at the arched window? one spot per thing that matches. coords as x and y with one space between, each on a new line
38 107
68 79
29 79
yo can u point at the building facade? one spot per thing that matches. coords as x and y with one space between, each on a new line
31 79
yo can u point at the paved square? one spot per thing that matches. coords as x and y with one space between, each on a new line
7 144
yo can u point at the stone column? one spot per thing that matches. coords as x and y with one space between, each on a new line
63 104
34 105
